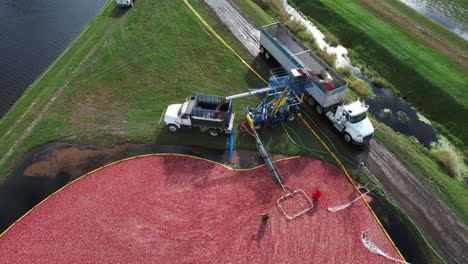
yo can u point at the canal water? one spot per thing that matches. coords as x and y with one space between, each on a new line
452 14
33 33
398 114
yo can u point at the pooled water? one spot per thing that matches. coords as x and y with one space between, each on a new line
450 14
341 52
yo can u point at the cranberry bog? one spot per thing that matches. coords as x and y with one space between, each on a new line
172 208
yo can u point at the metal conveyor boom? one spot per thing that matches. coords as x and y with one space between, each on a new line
249 93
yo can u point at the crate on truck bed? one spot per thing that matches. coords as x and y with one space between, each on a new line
209 111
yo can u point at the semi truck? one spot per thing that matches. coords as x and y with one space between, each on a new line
327 88
208 112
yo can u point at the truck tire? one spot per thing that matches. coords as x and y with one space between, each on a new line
348 138
319 109
214 132
172 128
262 50
310 100
267 55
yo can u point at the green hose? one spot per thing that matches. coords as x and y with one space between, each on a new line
382 193
300 144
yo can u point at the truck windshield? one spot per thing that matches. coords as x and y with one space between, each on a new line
358 118
180 110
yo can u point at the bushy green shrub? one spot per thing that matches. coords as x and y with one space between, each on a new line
378 81
345 71
329 58
447 162
331 39
360 87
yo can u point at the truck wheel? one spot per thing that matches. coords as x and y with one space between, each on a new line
310 100
214 132
319 109
172 128
267 55
262 50
291 117
347 138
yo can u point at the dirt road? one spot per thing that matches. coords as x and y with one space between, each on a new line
438 223
247 33
446 233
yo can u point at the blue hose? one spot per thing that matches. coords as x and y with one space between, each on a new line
231 145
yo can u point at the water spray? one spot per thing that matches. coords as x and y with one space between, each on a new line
344 206
369 244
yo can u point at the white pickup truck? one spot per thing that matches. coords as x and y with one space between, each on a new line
327 90
124 3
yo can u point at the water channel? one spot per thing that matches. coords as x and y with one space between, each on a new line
452 14
398 114
33 33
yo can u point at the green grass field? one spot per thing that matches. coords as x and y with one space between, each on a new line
256 13
434 83
434 28
118 78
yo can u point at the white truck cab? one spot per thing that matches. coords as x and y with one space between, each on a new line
175 117
124 3
352 121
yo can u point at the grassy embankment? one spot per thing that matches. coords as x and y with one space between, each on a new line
426 30
428 78
114 83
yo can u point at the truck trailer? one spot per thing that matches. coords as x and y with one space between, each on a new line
327 88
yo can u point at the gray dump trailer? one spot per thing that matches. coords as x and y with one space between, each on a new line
329 87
